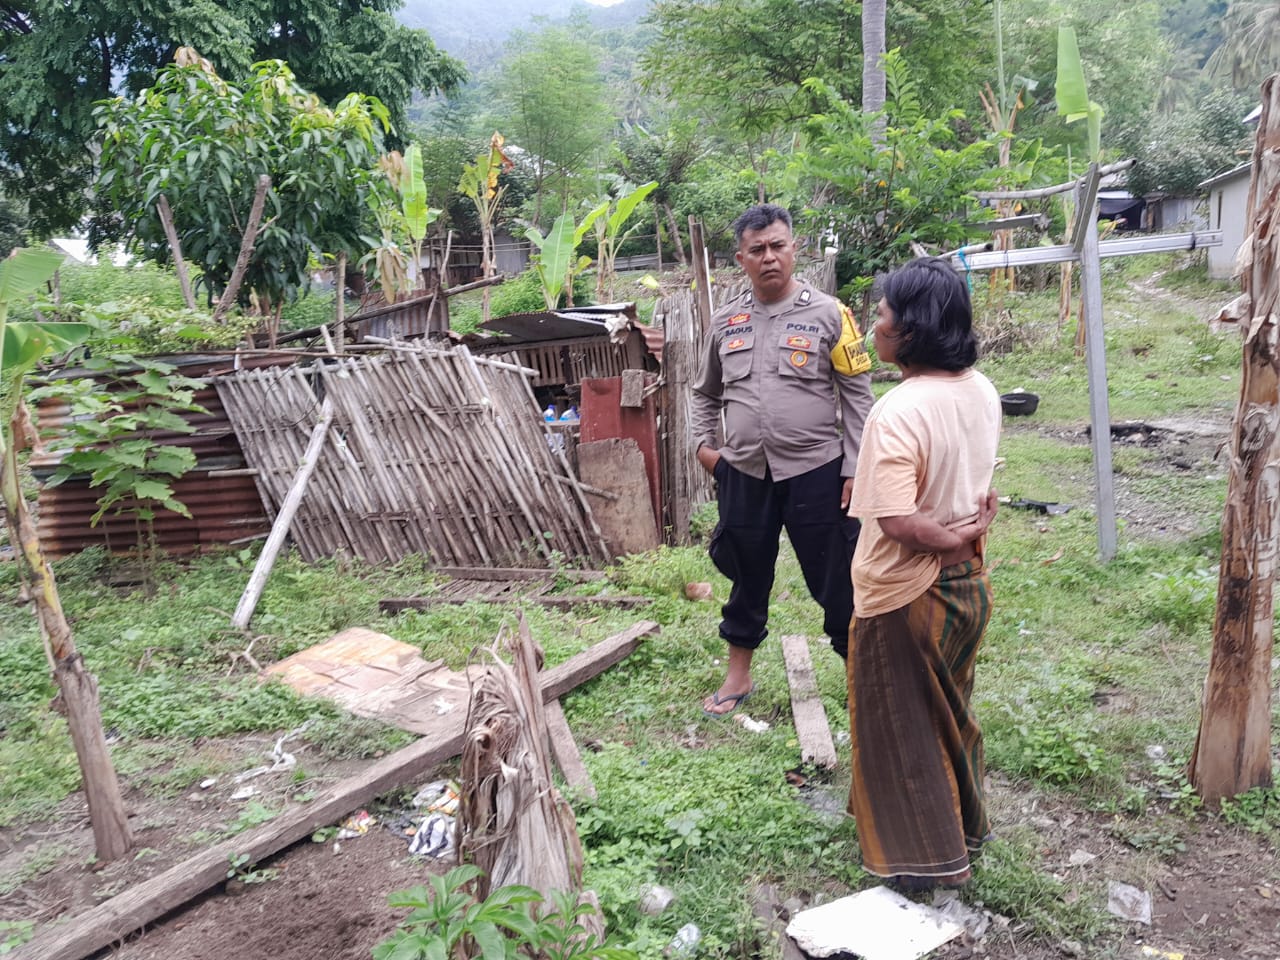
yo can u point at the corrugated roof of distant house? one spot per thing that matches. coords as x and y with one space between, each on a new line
1226 175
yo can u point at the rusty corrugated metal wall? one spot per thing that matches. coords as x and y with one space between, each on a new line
221 493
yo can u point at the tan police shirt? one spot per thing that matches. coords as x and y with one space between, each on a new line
790 381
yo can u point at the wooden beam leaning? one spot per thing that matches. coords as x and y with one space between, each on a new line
812 730
120 916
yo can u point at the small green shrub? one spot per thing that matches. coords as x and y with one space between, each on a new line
1258 810
447 920
523 294
1184 601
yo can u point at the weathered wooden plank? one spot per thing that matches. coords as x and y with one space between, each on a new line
558 602
627 522
518 573
812 730
565 750
120 916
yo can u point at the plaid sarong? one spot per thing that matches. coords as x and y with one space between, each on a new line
917 748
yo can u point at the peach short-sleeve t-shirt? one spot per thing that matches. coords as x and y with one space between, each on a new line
929 445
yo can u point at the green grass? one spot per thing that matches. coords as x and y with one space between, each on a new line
1086 667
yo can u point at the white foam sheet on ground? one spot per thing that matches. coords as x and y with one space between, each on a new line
875 924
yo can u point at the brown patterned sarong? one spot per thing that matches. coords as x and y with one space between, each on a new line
917 748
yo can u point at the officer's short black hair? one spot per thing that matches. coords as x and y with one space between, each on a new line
932 315
758 217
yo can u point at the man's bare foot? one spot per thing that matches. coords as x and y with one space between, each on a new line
722 703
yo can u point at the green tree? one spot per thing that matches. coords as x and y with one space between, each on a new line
668 159
1177 151
879 193
552 103
1250 47
204 143
58 58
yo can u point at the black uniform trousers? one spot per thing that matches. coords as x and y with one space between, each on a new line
744 547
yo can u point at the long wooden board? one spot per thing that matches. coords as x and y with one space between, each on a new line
120 916
812 730
558 601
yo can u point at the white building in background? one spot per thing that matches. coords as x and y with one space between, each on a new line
1228 201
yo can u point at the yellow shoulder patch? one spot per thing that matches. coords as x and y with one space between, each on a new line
849 355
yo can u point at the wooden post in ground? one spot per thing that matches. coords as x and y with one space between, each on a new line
701 275
1232 753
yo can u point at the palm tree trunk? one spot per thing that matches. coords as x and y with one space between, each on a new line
873 82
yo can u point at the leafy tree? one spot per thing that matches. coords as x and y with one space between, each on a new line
58 58
1250 47
204 143
880 195
1177 151
551 100
667 159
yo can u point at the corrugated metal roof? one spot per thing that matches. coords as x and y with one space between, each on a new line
560 324
223 508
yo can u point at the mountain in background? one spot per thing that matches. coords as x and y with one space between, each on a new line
472 29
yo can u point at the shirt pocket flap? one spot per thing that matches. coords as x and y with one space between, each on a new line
735 356
799 354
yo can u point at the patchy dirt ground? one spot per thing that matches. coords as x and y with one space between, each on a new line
1217 899
319 903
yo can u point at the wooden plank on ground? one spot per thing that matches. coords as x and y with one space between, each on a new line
565 750
120 916
556 602
518 573
816 745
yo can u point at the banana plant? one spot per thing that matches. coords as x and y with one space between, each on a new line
418 216
1072 93
610 235
557 260
479 183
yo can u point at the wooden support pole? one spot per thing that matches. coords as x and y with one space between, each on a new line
179 264
701 275
280 529
112 921
340 303
1099 402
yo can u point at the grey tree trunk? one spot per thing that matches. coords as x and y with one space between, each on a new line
873 48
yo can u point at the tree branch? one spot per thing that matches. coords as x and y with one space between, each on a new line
246 250
180 265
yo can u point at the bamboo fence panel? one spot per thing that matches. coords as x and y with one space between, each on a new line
432 451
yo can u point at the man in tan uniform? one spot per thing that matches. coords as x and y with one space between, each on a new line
785 373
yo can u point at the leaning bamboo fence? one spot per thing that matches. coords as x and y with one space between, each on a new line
432 451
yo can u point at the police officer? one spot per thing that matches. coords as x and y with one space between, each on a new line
785 373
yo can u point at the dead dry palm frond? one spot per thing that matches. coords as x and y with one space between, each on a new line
512 821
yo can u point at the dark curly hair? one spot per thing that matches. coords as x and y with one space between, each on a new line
932 315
